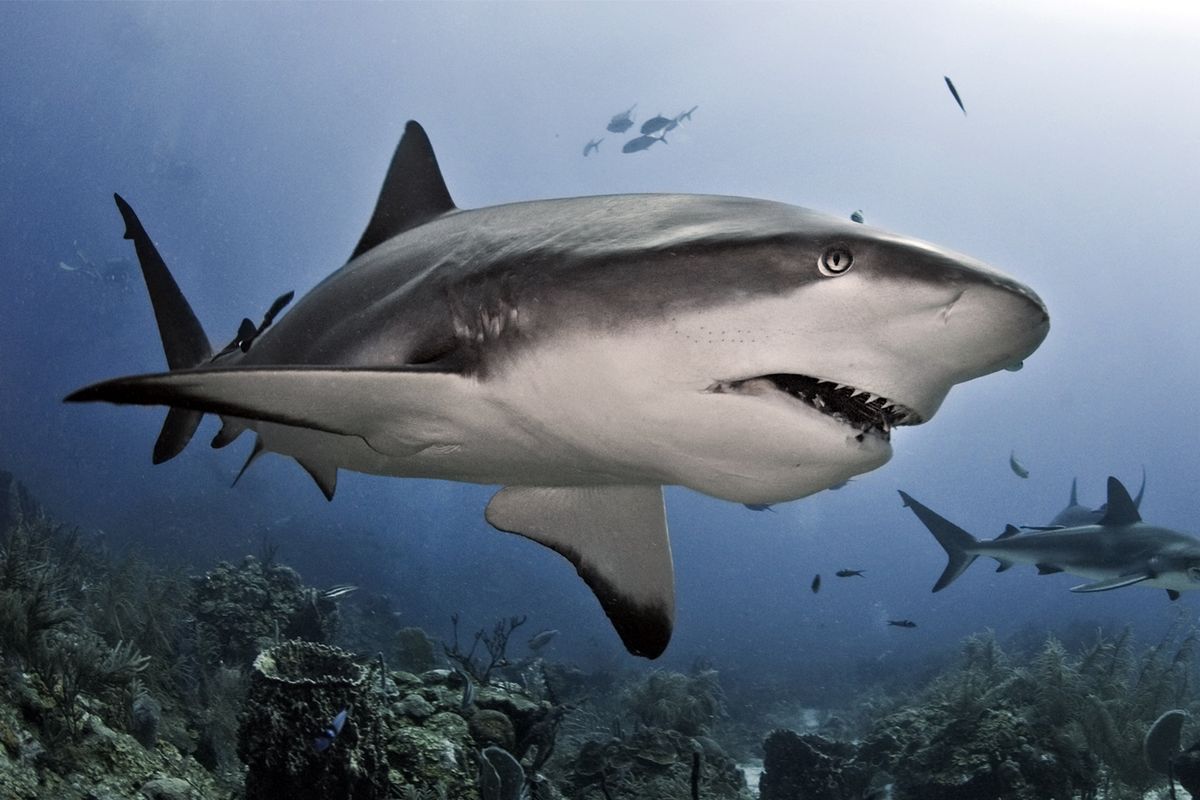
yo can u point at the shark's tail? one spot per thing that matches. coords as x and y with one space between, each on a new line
954 540
183 340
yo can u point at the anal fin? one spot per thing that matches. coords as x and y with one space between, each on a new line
325 475
177 431
616 536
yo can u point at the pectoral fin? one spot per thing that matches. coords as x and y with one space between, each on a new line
1113 583
616 536
395 411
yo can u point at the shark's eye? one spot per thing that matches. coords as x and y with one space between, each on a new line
1193 574
835 261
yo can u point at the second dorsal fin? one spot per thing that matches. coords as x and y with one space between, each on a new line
413 193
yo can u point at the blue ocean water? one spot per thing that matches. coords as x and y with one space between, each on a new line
253 139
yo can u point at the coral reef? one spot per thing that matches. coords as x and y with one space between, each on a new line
810 767
1048 725
252 606
296 689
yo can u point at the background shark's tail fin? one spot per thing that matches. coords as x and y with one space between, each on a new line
954 540
183 340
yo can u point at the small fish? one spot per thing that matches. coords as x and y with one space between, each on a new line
850 573
902 623
322 742
816 584
857 216
1017 468
341 590
642 143
655 124
541 639
760 507
593 146
247 332
953 91
621 122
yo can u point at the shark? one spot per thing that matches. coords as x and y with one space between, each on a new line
583 353
1117 550
1075 514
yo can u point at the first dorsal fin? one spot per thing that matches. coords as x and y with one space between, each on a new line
1120 509
413 193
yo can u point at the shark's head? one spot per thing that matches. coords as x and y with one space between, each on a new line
828 334
1176 565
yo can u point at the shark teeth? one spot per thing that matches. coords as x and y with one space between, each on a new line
858 408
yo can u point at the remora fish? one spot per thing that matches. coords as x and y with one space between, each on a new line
902 623
1119 550
585 352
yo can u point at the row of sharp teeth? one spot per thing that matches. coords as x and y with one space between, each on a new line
895 413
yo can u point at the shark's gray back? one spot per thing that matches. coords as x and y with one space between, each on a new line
455 287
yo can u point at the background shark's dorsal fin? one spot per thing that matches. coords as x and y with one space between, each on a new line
1074 501
413 193
1119 510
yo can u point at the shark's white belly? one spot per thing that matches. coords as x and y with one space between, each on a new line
627 409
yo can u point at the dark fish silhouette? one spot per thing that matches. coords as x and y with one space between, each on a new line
322 742
655 124
621 122
902 623
1016 466
760 507
641 143
541 639
816 584
953 91
592 146
247 332
850 573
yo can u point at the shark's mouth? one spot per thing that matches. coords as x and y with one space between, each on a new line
864 411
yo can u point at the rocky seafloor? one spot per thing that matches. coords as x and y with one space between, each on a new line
123 680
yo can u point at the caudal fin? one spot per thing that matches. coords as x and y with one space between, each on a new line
954 540
183 340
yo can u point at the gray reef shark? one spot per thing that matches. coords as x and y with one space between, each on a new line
1075 514
582 353
1118 550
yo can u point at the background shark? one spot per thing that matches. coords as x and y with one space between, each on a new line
1075 514
1118 550
584 352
